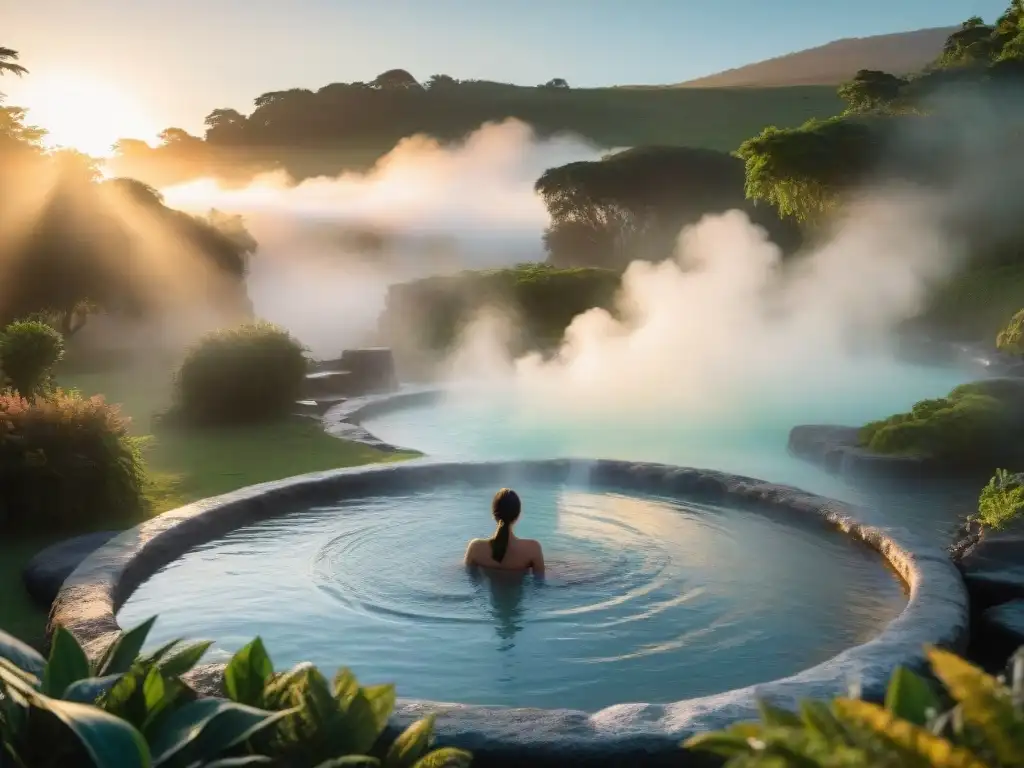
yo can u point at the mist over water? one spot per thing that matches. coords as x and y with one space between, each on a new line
434 209
716 353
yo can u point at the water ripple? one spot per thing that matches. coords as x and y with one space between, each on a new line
645 599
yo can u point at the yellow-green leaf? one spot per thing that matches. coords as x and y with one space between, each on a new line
939 752
986 704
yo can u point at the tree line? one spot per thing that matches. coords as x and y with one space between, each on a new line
73 242
357 114
791 181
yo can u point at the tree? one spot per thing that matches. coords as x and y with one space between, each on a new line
9 63
805 171
557 82
176 136
872 91
223 124
396 80
632 205
441 82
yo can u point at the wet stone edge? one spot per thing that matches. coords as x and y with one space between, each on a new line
936 612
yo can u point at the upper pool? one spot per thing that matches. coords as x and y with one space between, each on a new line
482 423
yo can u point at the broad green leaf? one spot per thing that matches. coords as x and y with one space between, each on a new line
719 743
183 660
382 701
159 653
203 729
910 697
986 704
88 690
18 681
67 664
360 725
247 674
237 762
776 716
317 703
411 744
120 656
344 684
937 751
21 655
447 757
351 761
109 741
283 690
819 719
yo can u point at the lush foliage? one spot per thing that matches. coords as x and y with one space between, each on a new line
539 300
806 170
976 425
64 460
1011 338
633 204
984 728
241 375
351 125
130 711
28 351
1001 500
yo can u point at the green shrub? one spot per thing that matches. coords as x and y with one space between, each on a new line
978 424
241 375
130 711
28 351
541 299
984 729
1001 500
65 460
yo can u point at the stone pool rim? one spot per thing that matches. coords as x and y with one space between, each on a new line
936 611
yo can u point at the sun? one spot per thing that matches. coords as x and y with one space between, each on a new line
84 114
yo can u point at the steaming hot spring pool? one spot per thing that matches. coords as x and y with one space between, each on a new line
647 598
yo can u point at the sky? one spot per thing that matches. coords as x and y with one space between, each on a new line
159 63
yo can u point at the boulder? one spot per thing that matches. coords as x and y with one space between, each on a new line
837 450
46 572
993 567
1001 629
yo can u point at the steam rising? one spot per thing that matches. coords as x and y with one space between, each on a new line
330 247
726 324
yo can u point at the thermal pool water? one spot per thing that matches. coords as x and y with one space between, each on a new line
646 599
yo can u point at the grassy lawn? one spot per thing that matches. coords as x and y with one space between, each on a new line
185 464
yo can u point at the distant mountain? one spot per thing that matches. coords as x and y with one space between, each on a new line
836 62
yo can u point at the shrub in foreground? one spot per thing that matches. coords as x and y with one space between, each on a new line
914 728
132 711
65 459
28 351
242 375
1001 500
979 424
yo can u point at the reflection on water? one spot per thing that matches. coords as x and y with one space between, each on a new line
643 599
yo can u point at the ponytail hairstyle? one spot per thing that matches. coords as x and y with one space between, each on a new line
505 508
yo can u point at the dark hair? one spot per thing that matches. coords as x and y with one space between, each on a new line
505 508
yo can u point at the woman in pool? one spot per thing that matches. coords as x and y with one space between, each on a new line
505 551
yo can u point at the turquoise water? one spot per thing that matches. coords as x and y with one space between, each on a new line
646 599
750 438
